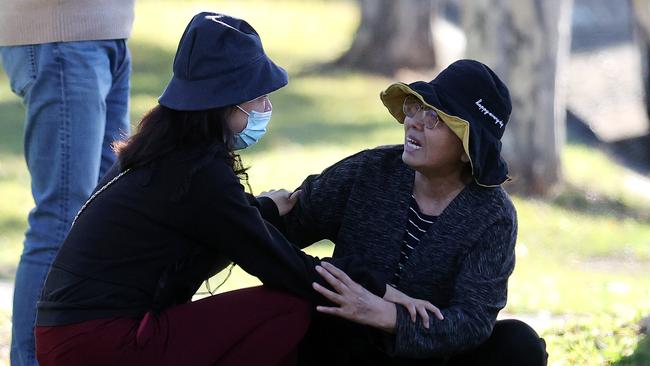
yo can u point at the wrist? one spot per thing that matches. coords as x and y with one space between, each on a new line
388 318
390 294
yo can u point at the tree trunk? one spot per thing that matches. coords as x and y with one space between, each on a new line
527 43
641 10
392 35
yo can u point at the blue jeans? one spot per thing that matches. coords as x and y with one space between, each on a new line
76 96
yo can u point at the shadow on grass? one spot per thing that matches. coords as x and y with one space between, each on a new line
633 152
11 225
11 127
322 132
306 119
152 68
640 357
581 200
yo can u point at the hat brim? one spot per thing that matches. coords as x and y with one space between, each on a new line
259 78
483 158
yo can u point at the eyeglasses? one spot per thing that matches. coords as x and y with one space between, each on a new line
413 108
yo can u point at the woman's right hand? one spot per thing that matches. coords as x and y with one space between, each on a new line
283 199
414 306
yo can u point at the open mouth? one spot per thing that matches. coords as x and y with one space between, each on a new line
413 143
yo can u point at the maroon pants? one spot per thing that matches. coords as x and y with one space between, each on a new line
253 326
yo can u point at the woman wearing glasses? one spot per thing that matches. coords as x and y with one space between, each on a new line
429 215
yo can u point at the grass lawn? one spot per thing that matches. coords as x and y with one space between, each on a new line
583 257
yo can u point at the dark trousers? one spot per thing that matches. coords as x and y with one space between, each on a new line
253 326
512 342
331 341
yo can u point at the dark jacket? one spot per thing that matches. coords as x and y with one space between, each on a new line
148 241
461 265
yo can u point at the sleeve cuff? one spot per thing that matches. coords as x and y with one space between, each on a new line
268 209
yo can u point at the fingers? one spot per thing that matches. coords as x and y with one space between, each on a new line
424 315
330 310
277 192
282 193
340 312
340 275
435 311
420 307
412 311
295 195
330 295
339 286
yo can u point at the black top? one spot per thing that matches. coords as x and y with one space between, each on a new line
142 246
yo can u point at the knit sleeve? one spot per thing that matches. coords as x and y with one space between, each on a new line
321 205
480 293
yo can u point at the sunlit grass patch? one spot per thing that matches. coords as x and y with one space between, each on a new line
565 234
596 340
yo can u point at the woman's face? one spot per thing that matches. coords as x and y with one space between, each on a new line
238 119
436 150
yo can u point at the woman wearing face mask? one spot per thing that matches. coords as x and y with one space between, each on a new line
171 214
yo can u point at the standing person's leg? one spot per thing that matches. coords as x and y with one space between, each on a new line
512 343
253 326
64 130
118 126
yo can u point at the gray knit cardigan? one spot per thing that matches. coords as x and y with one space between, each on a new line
461 265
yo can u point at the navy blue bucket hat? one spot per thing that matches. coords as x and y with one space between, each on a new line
220 62
475 104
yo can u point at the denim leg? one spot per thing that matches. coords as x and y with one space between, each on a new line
66 111
118 126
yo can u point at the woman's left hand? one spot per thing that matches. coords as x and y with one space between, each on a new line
355 302
413 305
283 199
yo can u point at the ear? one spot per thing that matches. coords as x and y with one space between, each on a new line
464 158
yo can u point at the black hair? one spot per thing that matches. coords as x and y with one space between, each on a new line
164 130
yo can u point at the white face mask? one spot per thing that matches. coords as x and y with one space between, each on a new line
255 129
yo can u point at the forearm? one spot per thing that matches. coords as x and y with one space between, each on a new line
460 330
480 293
286 266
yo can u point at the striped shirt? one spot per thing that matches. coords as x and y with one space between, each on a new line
418 224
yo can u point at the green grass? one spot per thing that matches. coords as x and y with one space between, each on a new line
583 255
599 340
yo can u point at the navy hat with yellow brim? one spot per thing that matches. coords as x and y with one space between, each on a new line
474 103
220 62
